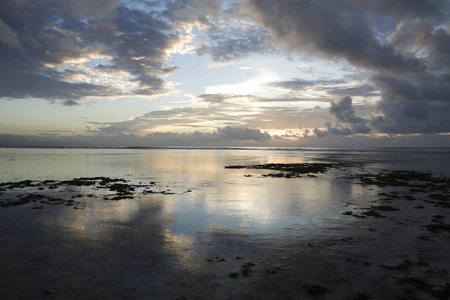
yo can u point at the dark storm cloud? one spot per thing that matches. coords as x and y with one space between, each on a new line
37 38
338 129
404 44
421 35
418 104
407 117
332 29
344 112
422 8
424 89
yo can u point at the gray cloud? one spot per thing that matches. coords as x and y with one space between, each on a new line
365 90
294 85
238 133
302 84
55 34
424 89
8 36
422 35
409 117
409 57
226 136
413 106
344 112
333 29
200 117
23 83
423 8
81 9
214 98
228 34
229 44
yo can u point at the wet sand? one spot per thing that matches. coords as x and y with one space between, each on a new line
108 238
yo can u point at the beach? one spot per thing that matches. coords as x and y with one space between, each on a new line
247 223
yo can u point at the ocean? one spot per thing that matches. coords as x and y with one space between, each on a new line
221 223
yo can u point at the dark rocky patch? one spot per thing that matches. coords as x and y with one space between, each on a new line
315 289
274 270
19 184
395 178
437 224
416 181
120 188
403 267
87 181
294 170
384 208
246 269
373 213
360 296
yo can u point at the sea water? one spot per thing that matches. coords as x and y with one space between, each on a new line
220 197
209 213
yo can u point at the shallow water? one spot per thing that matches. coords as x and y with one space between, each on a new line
187 243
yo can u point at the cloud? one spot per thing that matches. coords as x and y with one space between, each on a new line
413 105
421 37
332 29
405 46
302 84
237 133
231 44
424 89
397 50
224 31
77 49
8 36
214 98
412 117
423 8
225 136
344 112
81 9
364 90
21 83
182 118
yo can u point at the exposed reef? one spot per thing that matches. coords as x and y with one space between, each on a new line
71 192
293 170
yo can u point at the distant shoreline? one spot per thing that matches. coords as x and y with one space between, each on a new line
311 149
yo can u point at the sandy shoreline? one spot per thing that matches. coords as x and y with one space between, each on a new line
70 239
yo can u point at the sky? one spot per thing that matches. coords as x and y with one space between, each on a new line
225 73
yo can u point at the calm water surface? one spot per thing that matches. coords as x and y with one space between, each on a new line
157 241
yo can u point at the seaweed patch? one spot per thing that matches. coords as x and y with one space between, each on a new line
23 192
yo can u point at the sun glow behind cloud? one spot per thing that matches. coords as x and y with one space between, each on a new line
254 86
